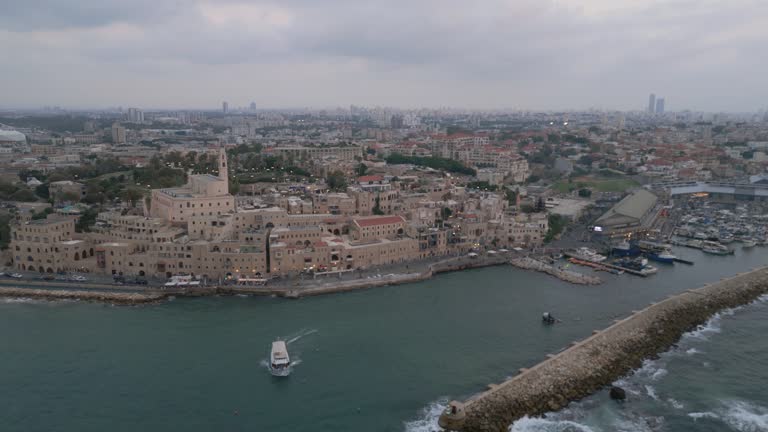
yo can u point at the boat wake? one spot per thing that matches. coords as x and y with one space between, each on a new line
301 335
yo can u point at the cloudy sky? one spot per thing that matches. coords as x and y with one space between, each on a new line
532 54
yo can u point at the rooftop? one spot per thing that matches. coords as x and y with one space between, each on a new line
383 220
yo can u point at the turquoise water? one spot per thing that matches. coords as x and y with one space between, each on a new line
375 360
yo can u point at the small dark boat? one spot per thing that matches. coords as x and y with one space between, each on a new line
548 319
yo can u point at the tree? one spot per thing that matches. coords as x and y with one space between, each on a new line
586 160
445 213
5 231
377 207
43 214
132 195
556 225
512 197
86 220
361 169
24 195
42 191
585 193
337 181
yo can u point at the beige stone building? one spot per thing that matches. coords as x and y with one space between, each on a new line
204 195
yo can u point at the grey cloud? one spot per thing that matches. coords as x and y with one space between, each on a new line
521 45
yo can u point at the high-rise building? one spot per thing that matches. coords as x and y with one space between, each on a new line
253 106
652 103
135 115
660 106
225 107
118 134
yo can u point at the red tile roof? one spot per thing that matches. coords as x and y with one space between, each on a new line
370 178
383 220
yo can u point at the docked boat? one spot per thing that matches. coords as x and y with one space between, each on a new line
665 256
624 249
588 254
639 265
748 243
715 248
279 361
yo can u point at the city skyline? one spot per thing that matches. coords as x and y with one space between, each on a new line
526 55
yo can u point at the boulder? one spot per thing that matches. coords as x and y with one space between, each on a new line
618 393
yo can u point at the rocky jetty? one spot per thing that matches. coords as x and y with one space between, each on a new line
565 275
121 298
599 360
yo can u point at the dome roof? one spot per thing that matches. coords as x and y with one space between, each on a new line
10 135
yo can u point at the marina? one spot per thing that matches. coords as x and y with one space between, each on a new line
642 271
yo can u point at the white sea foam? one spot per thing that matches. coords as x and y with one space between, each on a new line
529 424
701 415
705 330
746 417
675 404
651 392
427 420
659 374
11 300
693 351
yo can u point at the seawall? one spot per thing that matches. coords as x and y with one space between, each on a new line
121 298
599 360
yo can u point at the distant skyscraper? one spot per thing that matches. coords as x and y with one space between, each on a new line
224 107
118 134
135 115
660 106
253 106
652 103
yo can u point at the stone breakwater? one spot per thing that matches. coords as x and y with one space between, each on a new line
121 298
599 360
526 263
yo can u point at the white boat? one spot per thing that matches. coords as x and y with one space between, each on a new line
279 361
748 243
649 270
590 255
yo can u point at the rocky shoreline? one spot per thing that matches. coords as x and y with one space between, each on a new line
599 360
120 298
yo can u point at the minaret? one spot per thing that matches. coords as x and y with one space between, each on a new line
223 172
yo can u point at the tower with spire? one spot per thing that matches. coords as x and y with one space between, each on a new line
223 170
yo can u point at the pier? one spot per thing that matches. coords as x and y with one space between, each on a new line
595 362
603 266
527 263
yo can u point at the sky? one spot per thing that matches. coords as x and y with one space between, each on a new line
480 54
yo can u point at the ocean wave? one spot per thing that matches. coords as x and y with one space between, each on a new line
701 415
651 392
703 331
659 374
427 420
746 417
535 424
693 351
